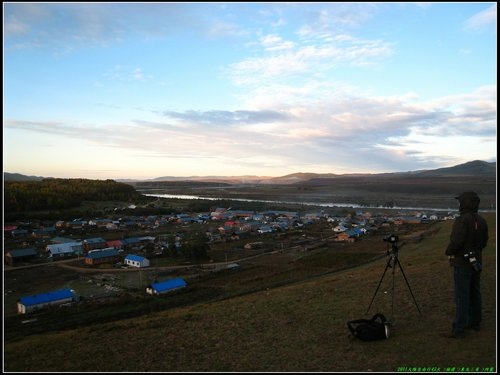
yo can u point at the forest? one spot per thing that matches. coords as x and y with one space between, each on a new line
57 193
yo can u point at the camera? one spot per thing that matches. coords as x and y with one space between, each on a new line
391 238
472 258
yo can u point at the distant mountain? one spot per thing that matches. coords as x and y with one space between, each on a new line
475 168
297 177
20 177
472 168
217 179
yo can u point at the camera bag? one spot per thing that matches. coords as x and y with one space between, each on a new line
376 328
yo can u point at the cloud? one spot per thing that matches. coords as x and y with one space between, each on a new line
306 59
483 19
64 26
275 43
224 29
361 123
13 26
228 117
334 18
361 133
137 74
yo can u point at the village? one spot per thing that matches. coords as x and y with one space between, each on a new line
161 241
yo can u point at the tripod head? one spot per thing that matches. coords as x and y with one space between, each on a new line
391 238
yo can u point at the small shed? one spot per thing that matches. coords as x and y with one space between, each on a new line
136 261
166 286
39 301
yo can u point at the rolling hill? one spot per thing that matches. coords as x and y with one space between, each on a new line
473 168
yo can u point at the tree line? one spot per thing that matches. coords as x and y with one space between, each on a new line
59 193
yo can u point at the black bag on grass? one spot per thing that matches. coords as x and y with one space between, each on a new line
376 328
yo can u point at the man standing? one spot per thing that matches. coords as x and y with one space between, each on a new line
468 238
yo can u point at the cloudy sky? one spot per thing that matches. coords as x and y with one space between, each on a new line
143 90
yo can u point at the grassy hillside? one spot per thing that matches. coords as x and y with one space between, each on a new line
299 327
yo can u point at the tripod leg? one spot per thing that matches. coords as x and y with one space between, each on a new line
392 294
408 284
380 282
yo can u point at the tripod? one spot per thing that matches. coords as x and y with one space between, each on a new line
392 262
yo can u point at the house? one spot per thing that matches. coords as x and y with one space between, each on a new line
253 245
313 216
228 225
136 243
136 261
19 255
39 301
61 240
100 223
340 228
166 286
112 226
60 224
117 244
108 255
19 233
43 232
94 243
265 229
60 250
242 214
220 214
354 232
344 237
76 224
9 228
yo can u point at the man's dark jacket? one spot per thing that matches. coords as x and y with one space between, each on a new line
469 232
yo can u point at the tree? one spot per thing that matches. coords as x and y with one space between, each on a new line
196 246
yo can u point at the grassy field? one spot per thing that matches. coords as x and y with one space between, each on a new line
364 190
299 327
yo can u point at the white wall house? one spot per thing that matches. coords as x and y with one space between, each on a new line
136 261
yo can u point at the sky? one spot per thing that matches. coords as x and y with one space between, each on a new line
145 90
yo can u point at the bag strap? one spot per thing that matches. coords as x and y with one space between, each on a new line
474 232
379 316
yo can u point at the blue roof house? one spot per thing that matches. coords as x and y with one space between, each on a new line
39 301
166 286
136 261
64 249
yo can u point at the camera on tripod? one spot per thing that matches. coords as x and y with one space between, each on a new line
392 262
391 238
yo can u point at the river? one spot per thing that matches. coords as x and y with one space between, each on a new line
336 204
